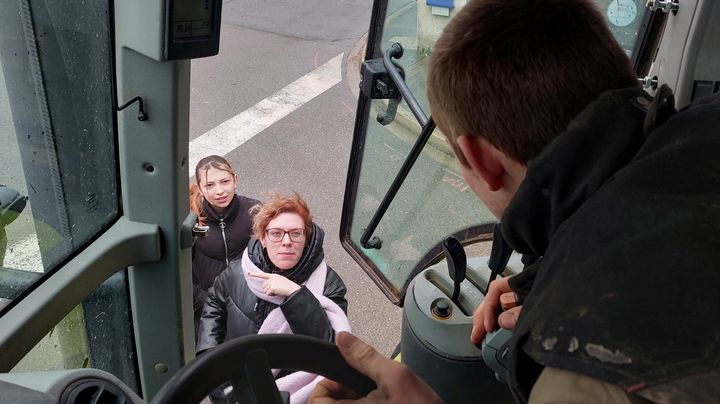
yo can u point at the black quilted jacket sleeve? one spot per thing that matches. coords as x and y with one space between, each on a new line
304 313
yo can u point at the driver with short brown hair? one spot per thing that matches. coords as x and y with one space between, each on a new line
614 196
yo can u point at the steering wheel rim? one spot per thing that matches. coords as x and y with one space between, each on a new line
247 361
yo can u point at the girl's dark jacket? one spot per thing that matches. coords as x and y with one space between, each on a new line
228 236
232 310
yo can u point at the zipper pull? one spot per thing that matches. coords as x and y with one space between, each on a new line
256 304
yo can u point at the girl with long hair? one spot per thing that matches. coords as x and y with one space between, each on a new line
227 214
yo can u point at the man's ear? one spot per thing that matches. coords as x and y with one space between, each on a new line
483 160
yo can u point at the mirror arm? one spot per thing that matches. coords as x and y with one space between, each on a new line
396 52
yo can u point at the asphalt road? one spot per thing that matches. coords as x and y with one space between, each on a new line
264 47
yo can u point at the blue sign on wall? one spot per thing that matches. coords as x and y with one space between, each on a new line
440 3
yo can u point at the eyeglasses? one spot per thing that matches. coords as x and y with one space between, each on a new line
277 235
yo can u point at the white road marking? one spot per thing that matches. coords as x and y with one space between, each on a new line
237 130
24 255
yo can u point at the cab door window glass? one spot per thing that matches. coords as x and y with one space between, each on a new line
434 201
59 174
57 134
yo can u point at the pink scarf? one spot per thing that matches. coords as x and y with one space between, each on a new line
298 384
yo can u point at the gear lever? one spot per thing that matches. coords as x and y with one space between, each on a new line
457 264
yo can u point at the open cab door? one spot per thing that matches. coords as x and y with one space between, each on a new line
405 193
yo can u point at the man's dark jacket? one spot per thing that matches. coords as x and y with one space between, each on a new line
628 227
232 310
211 254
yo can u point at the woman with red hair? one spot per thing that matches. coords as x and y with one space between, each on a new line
281 285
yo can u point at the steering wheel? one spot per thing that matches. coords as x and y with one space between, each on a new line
247 362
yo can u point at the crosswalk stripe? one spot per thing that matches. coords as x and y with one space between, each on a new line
237 130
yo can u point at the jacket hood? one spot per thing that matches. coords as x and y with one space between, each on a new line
313 255
601 140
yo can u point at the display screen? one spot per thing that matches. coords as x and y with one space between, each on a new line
192 19
193 29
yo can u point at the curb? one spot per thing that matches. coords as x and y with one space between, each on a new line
355 57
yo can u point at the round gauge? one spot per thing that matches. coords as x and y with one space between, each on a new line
622 12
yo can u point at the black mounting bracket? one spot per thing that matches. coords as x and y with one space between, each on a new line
142 115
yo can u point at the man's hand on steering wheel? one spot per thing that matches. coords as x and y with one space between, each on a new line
395 382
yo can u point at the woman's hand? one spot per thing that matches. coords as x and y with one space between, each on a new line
486 316
276 284
395 382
